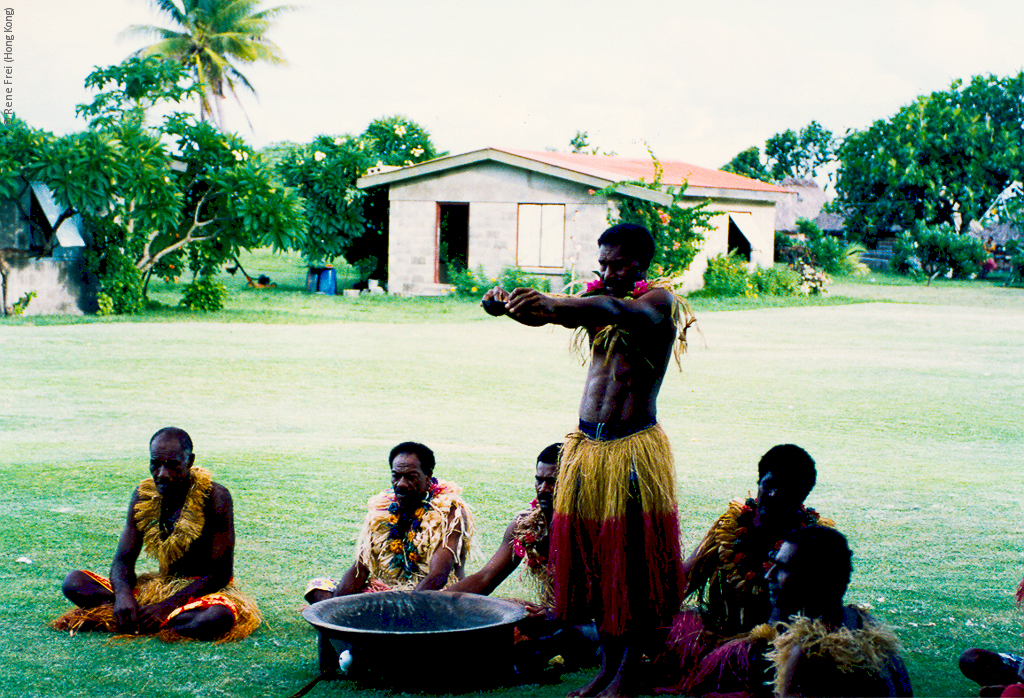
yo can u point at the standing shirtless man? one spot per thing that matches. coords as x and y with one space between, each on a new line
615 531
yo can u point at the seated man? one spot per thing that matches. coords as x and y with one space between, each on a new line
812 645
185 522
526 539
725 573
823 647
416 536
998 673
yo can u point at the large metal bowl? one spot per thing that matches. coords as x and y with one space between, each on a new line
423 640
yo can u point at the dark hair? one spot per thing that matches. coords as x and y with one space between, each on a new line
635 242
790 464
824 557
551 454
184 440
425 455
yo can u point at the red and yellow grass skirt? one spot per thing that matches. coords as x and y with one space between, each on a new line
615 544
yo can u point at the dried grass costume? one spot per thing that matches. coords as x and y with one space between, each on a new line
728 579
612 493
729 586
616 487
396 562
859 661
155 587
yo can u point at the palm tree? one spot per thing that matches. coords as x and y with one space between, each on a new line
212 34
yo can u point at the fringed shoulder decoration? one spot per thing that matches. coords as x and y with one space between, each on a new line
867 647
608 337
188 527
403 562
725 549
530 540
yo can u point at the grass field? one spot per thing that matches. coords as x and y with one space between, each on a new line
908 397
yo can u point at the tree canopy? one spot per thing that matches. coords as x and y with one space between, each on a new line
157 198
209 38
344 221
788 154
943 159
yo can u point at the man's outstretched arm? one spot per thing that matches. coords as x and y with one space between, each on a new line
533 308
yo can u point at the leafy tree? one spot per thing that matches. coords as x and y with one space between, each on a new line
676 228
748 164
345 221
157 198
580 144
800 155
210 35
944 159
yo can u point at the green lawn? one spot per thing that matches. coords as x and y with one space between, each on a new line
907 396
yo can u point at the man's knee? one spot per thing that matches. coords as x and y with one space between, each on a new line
83 590
203 624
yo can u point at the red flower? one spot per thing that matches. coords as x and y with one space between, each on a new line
594 286
640 288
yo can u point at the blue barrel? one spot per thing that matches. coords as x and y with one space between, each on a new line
329 281
313 279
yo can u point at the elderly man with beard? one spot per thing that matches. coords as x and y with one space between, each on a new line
416 536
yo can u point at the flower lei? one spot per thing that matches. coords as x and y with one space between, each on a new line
530 543
406 558
740 562
530 532
596 288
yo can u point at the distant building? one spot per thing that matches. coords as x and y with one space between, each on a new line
499 207
807 203
41 252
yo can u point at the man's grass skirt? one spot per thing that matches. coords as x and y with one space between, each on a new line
615 532
152 588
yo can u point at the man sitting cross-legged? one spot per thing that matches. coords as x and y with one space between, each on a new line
541 636
417 535
185 521
725 573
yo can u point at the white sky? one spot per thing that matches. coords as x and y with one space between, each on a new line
698 81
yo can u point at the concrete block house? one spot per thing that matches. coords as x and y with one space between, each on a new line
500 207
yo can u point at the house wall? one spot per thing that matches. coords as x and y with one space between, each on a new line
493 192
62 286
762 237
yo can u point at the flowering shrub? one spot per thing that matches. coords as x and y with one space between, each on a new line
812 281
467 283
204 294
777 281
677 228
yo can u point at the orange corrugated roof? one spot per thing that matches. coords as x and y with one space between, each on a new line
630 169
